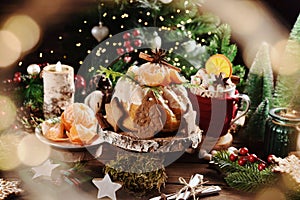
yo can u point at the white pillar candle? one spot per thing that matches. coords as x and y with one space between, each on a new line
59 89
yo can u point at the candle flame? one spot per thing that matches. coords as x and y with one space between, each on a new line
58 67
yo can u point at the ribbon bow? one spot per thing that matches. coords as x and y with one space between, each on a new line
190 188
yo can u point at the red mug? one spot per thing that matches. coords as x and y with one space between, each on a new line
217 112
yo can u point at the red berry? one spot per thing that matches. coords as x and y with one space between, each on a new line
136 32
243 151
252 158
242 161
17 79
120 51
127 43
17 74
127 59
138 43
261 166
129 49
126 36
270 158
233 157
80 82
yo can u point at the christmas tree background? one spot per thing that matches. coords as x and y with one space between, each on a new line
83 15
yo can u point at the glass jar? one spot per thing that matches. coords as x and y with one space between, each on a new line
282 132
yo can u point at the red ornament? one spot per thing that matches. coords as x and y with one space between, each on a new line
120 51
242 161
17 74
261 166
233 157
252 158
243 151
270 158
80 82
126 36
129 49
138 42
136 32
127 43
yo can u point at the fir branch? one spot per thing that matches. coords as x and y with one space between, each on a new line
220 42
250 181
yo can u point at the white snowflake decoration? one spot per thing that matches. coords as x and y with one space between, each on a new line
8 187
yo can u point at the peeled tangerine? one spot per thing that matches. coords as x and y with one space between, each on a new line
78 113
54 132
80 123
80 134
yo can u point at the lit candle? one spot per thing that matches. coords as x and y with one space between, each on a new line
59 89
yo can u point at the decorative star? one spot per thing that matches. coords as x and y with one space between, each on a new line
106 187
44 170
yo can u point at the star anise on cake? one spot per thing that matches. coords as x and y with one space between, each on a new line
158 55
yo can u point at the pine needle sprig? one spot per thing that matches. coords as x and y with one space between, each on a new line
251 180
220 42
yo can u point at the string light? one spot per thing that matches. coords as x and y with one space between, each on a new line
79 30
51 51
20 63
85 22
81 62
78 44
41 55
60 37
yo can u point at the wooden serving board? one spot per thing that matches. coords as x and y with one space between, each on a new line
167 144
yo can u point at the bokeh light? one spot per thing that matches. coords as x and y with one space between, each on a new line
8 112
32 151
9 141
25 29
10 48
270 193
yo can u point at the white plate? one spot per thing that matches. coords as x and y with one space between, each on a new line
65 145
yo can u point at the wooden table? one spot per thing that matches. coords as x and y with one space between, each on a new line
186 166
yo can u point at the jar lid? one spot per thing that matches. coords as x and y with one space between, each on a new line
285 115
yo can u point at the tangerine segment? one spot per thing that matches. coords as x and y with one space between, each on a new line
81 135
217 64
56 133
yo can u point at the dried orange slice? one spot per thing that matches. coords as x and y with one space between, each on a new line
217 64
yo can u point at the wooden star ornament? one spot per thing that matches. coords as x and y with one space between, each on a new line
44 170
106 188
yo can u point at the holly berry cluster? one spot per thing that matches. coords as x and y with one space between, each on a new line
242 156
131 40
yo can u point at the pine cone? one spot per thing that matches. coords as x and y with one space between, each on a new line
28 118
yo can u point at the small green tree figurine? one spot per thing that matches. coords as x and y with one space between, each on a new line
287 90
259 84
